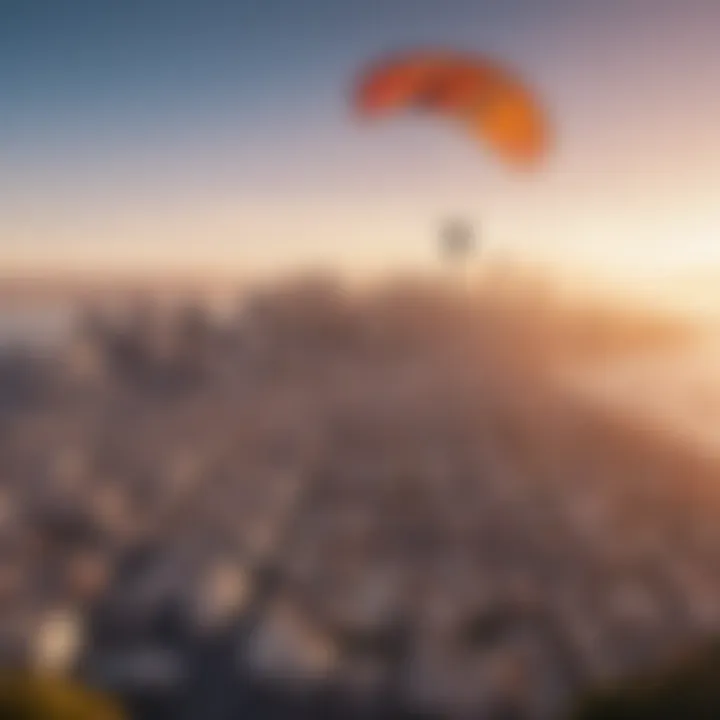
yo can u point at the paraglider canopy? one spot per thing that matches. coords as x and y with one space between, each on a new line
489 101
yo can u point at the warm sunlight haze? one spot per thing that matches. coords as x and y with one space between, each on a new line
126 146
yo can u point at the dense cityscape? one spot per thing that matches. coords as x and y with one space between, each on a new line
326 504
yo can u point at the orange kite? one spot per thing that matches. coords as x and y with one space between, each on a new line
488 101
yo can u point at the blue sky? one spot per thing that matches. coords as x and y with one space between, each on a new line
153 132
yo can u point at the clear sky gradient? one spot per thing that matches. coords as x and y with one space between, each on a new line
177 134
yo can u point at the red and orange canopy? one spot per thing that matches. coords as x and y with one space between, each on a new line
487 100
